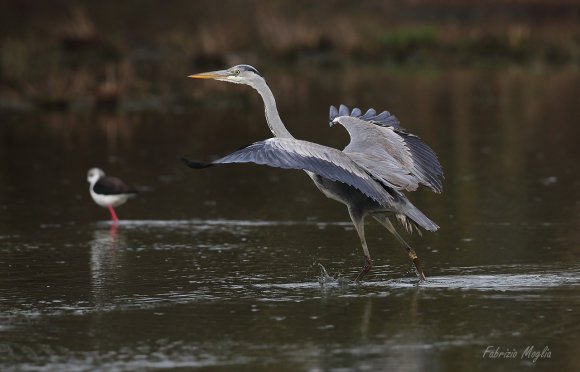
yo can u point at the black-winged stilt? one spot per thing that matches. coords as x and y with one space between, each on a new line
109 192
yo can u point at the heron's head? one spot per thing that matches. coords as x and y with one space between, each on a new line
94 175
238 74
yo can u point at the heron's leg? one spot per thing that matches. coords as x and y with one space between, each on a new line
114 217
384 220
358 222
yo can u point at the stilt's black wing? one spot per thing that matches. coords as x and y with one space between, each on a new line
112 186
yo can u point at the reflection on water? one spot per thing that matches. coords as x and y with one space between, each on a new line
222 267
107 262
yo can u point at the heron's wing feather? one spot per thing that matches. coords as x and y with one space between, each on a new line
385 118
290 153
382 147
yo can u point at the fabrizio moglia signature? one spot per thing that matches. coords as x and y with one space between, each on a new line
530 352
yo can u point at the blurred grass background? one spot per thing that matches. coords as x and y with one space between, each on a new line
134 55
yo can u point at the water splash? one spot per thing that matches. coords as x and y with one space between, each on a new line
326 280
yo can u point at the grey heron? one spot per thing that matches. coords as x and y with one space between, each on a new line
368 176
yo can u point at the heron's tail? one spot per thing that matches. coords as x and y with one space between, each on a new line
413 216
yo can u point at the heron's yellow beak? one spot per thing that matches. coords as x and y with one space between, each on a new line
204 75
209 75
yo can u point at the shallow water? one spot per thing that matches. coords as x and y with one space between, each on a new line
222 268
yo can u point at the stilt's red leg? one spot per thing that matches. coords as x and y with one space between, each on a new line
113 231
113 215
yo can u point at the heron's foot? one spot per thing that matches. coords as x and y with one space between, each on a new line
417 264
367 267
419 270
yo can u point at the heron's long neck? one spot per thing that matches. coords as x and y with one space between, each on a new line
272 116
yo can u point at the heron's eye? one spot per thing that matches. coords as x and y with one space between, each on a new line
236 72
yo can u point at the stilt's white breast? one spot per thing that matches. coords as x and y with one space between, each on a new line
112 200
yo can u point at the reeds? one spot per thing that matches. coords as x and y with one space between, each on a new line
77 63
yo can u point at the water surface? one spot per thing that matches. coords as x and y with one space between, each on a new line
221 268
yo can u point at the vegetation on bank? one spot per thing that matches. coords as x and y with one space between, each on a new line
102 55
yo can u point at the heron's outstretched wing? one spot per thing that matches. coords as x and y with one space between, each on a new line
381 146
385 118
289 153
